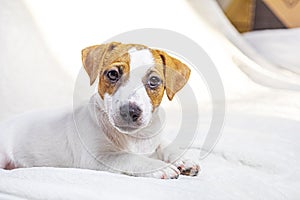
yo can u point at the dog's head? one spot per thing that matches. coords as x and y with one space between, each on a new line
132 81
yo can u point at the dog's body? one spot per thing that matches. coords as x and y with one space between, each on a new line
118 130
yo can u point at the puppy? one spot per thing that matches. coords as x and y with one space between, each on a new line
119 130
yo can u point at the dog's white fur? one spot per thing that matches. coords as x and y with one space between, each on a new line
86 137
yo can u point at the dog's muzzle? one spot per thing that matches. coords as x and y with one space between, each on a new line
130 112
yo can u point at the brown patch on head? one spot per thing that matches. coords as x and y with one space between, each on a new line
105 85
155 94
175 72
93 58
100 59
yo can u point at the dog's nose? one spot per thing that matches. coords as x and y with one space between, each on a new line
130 112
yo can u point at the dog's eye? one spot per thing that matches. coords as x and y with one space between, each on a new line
154 82
113 75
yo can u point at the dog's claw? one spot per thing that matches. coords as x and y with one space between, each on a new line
175 177
181 167
190 172
189 168
170 172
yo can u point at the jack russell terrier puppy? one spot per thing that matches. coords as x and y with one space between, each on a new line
116 130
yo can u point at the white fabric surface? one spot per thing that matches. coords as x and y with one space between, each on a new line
255 158
251 62
278 46
26 65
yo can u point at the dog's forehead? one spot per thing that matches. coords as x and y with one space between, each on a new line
139 59
140 62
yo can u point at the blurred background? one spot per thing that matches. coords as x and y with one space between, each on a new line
41 42
250 15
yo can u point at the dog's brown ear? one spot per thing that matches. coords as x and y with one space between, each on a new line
176 74
93 58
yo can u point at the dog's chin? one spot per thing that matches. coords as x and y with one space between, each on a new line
130 129
127 129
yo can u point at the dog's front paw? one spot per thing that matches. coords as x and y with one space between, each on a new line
169 172
186 162
187 167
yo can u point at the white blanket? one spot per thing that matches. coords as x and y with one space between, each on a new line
256 158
